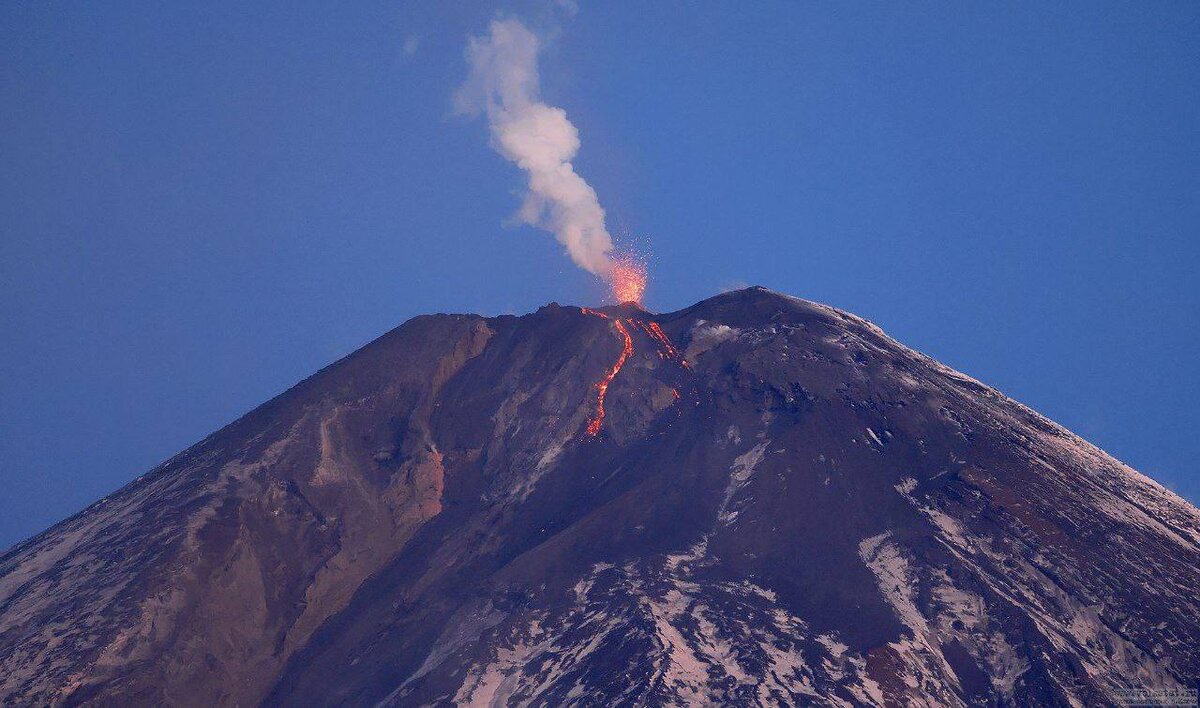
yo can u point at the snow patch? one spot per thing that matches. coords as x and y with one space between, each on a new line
741 471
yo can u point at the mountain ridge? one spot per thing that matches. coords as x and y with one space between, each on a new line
779 503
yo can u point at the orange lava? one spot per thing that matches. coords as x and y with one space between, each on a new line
627 279
593 426
661 336
666 350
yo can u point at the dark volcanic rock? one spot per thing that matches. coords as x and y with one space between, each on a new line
782 506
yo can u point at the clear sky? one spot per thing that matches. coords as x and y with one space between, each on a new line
201 205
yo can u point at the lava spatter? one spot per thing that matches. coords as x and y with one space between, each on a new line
627 278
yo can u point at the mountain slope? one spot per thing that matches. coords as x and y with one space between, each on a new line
779 504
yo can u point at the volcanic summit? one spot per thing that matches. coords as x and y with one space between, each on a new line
757 500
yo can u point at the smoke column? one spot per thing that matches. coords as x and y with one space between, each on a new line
503 86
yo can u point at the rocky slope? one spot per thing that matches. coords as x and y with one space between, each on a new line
756 500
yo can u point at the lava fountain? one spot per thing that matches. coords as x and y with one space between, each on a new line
627 278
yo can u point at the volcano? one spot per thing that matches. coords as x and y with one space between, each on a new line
754 500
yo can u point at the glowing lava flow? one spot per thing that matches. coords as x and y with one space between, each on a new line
656 332
593 426
666 350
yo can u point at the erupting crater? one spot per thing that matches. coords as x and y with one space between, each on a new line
627 278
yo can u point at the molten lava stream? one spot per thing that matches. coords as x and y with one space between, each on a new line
666 350
661 336
593 426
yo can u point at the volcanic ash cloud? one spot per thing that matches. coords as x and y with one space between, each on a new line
538 138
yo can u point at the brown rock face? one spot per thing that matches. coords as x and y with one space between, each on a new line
781 505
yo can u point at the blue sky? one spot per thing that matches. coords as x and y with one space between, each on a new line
201 205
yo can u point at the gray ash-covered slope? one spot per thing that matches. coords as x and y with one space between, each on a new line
780 505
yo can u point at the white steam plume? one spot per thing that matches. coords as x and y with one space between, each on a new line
503 85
